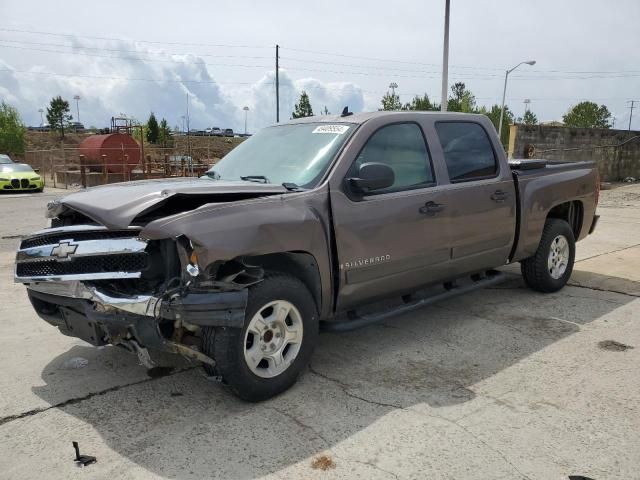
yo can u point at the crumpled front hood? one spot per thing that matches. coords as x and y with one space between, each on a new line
117 205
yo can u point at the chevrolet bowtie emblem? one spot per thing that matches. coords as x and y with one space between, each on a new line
63 250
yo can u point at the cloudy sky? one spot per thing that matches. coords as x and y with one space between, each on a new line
133 58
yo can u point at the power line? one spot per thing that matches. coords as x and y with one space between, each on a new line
136 59
155 42
138 52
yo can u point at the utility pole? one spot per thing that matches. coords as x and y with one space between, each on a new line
77 99
445 58
277 83
246 110
631 113
189 138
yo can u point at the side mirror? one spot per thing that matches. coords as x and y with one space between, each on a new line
372 176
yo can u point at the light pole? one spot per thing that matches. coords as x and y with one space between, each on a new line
504 93
41 117
445 58
393 86
246 111
77 99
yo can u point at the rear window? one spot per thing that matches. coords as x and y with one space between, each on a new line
467 151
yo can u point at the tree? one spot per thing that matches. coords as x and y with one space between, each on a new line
529 118
303 107
461 99
153 131
164 133
587 115
391 101
421 104
494 116
58 114
11 130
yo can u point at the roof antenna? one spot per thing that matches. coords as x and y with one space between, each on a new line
346 112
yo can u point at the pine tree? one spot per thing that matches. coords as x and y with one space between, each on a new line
303 107
58 114
164 135
153 131
391 101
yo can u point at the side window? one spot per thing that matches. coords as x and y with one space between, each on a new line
467 151
402 147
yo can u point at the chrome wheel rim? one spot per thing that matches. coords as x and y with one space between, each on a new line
558 257
273 339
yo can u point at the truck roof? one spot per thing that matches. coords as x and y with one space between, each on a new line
359 118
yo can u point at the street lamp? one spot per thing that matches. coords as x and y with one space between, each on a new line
504 93
41 117
246 110
393 86
77 99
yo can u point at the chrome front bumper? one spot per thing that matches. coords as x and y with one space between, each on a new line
145 305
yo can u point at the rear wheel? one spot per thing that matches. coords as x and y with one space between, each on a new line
266 356
551 266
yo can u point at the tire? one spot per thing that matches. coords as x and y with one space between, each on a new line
232 348
547 271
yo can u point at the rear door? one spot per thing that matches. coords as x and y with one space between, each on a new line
393 240
482 198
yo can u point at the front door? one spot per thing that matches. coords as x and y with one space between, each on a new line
393 240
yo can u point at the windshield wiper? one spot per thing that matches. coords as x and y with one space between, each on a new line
292 187
255 178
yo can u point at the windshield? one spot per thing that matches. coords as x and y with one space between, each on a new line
4 159
296 153
15 167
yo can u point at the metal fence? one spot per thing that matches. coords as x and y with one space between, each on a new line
66 167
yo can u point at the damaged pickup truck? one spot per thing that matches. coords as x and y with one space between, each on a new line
331 222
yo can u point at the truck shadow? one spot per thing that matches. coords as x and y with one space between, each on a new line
185 426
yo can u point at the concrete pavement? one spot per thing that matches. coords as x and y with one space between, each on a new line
503 383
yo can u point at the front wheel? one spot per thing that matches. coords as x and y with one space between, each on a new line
551 266
265 356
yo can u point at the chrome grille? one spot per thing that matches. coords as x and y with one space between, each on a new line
81 252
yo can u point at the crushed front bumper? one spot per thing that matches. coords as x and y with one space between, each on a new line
100 319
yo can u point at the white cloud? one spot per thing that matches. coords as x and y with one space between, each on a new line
113 80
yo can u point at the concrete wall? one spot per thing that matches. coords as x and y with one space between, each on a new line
616 152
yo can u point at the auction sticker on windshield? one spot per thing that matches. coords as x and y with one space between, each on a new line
339 129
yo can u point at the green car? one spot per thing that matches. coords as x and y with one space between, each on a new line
18 176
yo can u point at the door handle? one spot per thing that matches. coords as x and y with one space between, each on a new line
431 208
499 196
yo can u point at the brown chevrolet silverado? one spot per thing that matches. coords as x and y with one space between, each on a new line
320 223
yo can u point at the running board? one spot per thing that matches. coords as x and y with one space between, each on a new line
451 289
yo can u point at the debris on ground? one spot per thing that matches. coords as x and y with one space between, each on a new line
83 460
613 346
323 462
157 372
74 363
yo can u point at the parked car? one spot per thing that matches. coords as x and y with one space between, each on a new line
305 224
18 176
5 159
215 131
76 127
228 132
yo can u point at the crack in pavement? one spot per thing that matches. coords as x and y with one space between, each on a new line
607 253
344 387
577 285
73 401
